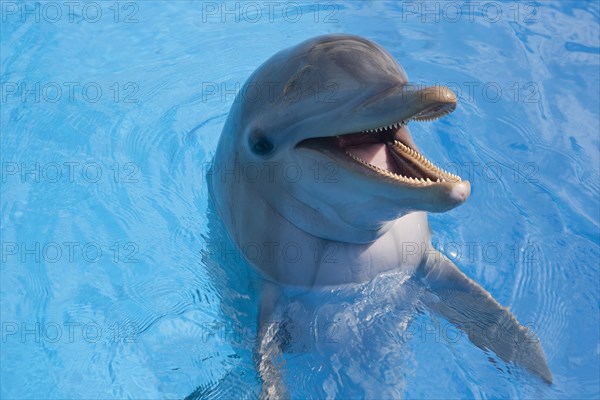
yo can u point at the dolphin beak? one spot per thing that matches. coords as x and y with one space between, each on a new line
429 103
459 192
407 102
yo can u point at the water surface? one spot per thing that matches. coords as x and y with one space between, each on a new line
113 282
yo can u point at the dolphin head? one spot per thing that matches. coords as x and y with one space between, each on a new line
331 115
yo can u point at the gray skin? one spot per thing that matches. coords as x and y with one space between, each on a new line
306 214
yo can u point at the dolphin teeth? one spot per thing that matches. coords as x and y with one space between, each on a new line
415 157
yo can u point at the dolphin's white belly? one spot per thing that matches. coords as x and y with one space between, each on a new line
291 256
401 248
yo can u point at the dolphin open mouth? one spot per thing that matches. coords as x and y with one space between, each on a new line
389 151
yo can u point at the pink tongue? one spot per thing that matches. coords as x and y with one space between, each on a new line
376 154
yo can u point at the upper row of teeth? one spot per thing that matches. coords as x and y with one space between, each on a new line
383 128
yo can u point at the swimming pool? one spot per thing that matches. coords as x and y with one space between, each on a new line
116 279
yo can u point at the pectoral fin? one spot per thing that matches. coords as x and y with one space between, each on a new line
488 324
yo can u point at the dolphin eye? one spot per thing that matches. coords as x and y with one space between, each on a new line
262 147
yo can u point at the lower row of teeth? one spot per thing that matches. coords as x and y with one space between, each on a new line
398 176
393 174
427 164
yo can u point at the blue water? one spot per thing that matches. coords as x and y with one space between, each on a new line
111 286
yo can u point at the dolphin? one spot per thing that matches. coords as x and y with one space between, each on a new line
319 183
